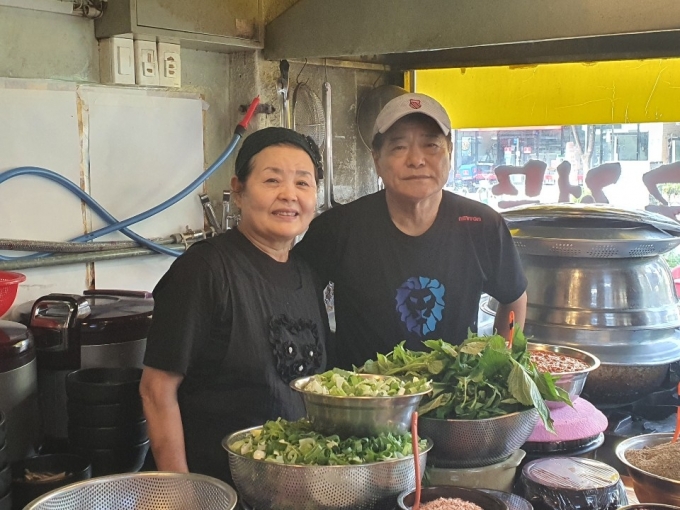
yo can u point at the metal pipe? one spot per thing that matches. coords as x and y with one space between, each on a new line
89 247
328 153
80 258
67 247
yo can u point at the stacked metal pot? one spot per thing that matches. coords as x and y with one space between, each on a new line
597 282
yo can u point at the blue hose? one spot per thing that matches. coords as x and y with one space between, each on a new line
114 224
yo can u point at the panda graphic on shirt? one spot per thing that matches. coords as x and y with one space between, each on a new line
420 304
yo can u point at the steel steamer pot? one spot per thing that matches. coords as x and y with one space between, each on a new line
101 328
597 282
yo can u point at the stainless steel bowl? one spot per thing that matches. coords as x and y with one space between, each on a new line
141 491
571 382
649 488
371 486
475 443
480 498
358 416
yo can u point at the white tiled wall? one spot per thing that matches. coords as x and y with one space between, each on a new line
131 148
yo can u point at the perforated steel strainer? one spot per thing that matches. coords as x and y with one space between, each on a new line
269 485
308 114
141 491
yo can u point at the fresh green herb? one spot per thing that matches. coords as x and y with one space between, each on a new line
481 378
342 383
296 443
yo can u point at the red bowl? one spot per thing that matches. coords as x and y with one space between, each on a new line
9 284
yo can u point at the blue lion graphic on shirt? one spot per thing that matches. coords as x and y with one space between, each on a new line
420 302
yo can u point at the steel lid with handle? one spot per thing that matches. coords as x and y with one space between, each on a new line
62 324
590 231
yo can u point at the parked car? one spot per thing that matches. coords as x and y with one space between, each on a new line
473 174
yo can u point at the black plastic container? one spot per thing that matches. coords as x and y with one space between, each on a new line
6 501
3 428
104 415
104 438
482 499
4 454
23 492
104 385
128 459
5 479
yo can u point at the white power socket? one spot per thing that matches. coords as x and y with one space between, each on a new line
146 63
117 61
169 65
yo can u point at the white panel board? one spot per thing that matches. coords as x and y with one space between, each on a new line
39 127
144 146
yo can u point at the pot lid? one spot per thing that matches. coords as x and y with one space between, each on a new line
16 343
601 216
94 306
590 231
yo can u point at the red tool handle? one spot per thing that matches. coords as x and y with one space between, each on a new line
511 323
249 113
416 457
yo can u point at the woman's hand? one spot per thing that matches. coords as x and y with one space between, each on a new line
164 422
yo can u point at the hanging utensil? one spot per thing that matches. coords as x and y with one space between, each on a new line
308 114
328 153
210 212
416 458
282 90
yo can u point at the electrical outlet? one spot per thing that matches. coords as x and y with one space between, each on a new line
169 65
116 61
146 63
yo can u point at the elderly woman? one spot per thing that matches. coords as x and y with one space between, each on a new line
237 317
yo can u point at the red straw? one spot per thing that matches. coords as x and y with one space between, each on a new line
511 321
677 423
416 457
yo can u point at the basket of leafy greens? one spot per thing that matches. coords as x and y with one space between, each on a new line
350 404
486 398
289 466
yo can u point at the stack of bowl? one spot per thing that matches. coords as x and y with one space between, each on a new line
5 471
371 486
105 419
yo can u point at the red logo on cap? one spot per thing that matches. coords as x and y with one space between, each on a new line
415 103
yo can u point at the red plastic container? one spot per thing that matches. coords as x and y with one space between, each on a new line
9 284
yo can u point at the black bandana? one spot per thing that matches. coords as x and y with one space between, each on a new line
266 137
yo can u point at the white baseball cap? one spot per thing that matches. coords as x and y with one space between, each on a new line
406 104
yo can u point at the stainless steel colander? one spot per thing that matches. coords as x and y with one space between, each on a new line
476 443
373 486
141 491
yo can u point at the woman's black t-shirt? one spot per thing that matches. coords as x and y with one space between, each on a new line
239 326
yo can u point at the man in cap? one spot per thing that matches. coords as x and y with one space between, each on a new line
410 262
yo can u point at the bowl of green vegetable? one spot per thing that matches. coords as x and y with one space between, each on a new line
486 396
350 404
288 466
476 443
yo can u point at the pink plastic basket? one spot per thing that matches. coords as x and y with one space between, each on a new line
9 284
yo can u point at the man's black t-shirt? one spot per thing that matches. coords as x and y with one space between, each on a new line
390 286
239 326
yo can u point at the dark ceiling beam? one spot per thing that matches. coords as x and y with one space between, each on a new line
416 34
